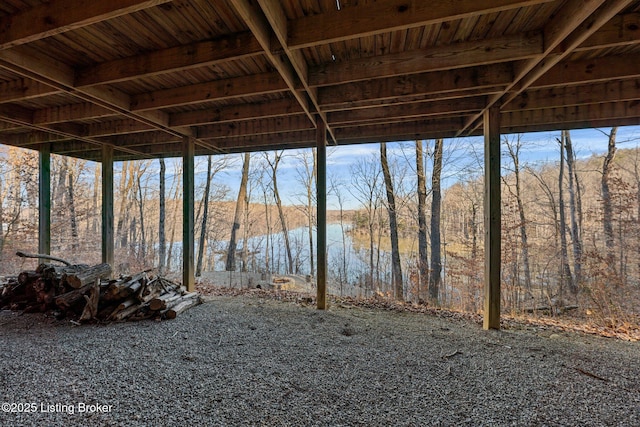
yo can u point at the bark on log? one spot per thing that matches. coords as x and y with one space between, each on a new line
164 301
67 300
172 313
80 279
90 311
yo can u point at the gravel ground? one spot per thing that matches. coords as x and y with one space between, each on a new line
237 361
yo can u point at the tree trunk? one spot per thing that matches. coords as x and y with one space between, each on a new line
240 202
143 237
607 209
161 219
565 270
423 262
205 215
393 225
436 260
283 221
514 153
576 238
72 213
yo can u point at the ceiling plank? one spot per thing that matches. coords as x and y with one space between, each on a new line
173 59
71 112
57 16
436 58
574 114
256 84
388 15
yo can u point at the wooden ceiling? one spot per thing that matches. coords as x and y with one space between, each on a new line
247 75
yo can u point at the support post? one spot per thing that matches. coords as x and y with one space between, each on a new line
321 214
188 165
44 201
108 235
492 217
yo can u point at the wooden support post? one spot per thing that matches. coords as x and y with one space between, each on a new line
188 165
321 214
108 235
492 216
44 201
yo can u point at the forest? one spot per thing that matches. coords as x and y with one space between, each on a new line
409 215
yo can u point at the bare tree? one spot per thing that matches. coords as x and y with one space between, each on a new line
435 278
513 147
575 209
393 225
162 244
365 176
423 261
607 209
273 164
565 270
240 203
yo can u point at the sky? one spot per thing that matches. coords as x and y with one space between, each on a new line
460 155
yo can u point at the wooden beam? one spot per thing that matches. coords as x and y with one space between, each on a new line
262 30
70 112
281 107
492 217
410 131
304 138
601 69
58 16
321 214
256 127
435 58
578 113
388 15
594 93
275 15
23 89
115 127
407 111
188 220
206 53
44 201
622 30
488 76
257 84
108 234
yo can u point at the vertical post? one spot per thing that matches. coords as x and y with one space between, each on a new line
492 216
44 201
188 165
108 235
321 214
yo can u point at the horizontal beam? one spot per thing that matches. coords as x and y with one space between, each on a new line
407 111
257 84
58 16
487 76
388 15
256 127
173 59
281 107
595 93
24 89
622 30
436 58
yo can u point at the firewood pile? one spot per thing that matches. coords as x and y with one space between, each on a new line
81 292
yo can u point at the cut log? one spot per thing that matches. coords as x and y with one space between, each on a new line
28 276
67 300
183 305
160 303
90 311
89 275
